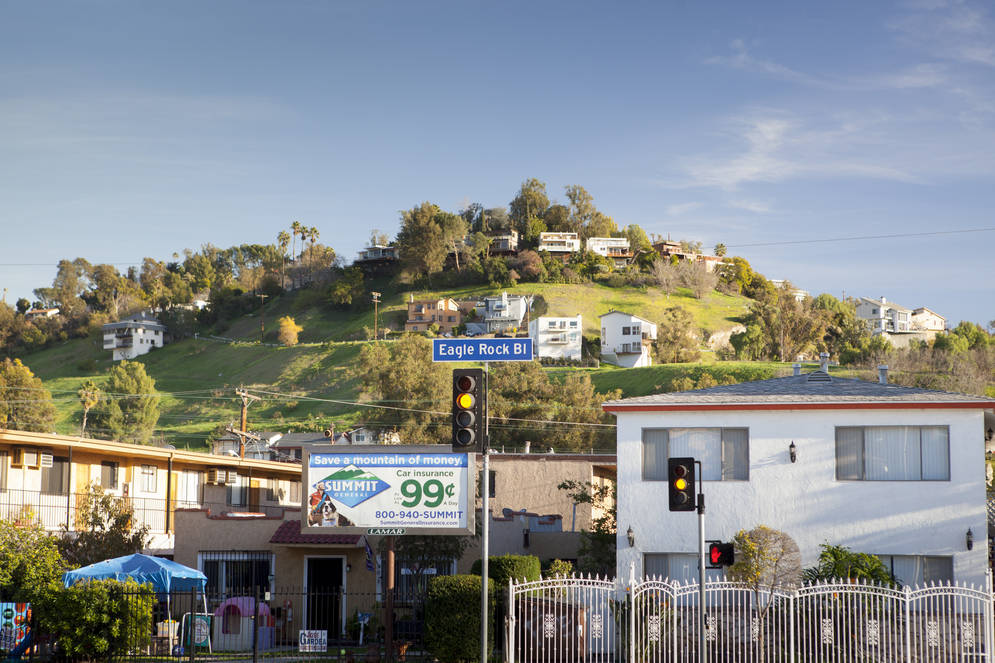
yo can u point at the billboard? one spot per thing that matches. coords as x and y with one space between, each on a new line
387 490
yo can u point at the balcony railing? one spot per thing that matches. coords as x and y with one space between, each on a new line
53 511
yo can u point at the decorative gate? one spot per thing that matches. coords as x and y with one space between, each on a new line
568 620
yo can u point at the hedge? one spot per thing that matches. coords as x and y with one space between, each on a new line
452 618
513 567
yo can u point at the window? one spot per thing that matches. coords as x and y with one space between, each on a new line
235 492
724 452
552 325
919 569
679 567
295 492
4 461
235 573
108 475
635 330
573 324
188 489
625 331
55 479
149 476
893 453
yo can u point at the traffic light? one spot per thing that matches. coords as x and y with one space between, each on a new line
680 476
720 554
469 409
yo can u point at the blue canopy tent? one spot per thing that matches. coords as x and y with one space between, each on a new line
163 574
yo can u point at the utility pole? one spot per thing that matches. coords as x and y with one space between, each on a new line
242 437
262 317
247 398
376 312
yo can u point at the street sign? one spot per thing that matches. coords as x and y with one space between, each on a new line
387 490
482 349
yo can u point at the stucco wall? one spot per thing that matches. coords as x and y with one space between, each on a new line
804 499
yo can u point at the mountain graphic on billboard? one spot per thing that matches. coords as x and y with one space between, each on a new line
352 485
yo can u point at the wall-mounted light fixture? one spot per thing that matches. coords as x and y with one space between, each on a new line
970 539
631 536
348 568
793 451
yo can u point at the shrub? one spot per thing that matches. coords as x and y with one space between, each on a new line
100 618
510 567
452 618
559 567
289 331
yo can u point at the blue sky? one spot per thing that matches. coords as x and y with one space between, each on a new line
132 129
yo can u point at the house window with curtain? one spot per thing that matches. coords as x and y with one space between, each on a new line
109 475
893 453
919 569
4 462
724 452
55 479
188 489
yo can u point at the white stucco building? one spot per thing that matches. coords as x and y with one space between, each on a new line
883 316
133 336
559 244
893 471
558 338
616 249
501 313
626 339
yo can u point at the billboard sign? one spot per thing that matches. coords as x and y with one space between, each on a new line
387 490
481 349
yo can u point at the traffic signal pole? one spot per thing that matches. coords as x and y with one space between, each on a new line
701 566
485 490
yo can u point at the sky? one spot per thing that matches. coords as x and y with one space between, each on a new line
785 130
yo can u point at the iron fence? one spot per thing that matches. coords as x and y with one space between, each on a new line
567 620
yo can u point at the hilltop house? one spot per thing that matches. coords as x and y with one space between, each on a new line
616 249
134 336
561 245
626 339
898 324
668 249
500 313
41 313
423 313
556 338
893 471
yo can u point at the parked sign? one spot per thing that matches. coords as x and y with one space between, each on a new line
407 490
312 641
482 349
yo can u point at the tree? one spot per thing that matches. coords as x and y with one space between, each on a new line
697 278
25 404
597 545
664 275
676 340
402 376
529 204
558 219
104 529
71 281
89 396
426 232
766 559
283 240
348 288
129 409
841 563
23 305
30 564
289 329
719 250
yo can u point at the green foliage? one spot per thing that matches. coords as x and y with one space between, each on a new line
288 331
780 327
676 339
30 564
100 618
558 567
841 563
25 404
129 408
501 569
597 545
765 559
104 529
427 234
348 288
452 618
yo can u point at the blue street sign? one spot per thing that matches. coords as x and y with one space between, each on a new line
481 349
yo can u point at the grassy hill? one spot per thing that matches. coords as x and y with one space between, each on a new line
300 385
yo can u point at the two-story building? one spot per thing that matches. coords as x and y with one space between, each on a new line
898 324
926 320
44 476
503 244
557 338
669 249
893 471
423 313
560 245
134 336
500 313
626 339
616 249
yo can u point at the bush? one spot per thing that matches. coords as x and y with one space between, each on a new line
100 618
510 567
452 618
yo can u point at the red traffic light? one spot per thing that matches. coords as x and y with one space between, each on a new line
720 554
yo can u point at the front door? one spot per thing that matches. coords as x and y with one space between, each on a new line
324 595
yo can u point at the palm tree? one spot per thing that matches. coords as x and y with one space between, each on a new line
298 229
89 396
312 235
284 239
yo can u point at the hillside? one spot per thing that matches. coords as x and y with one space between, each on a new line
197 376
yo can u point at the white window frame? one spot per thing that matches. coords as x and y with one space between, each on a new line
727 452
150 479
860 473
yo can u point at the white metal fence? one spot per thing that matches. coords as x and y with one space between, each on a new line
590 619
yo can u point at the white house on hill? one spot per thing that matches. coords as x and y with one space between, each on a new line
134 336
894 471
626 339
558 338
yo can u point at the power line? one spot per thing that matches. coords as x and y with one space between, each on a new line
862 237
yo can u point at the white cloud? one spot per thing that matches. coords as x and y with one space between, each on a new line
682 208
957 32
751 206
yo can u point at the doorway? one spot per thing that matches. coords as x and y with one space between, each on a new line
324 595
